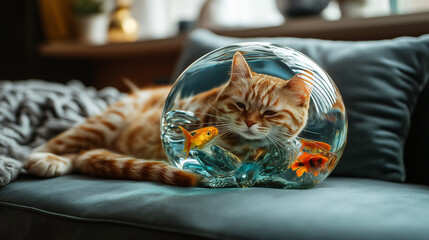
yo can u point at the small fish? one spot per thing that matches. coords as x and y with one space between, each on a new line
309 163
315 147
198 138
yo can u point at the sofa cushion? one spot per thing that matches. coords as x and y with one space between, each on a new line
81 207
380 82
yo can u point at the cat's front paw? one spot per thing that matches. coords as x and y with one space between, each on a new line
47 164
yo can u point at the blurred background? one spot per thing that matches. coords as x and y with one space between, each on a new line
102 41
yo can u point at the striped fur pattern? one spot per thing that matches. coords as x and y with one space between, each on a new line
124 141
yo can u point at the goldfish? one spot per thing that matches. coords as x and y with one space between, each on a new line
198 138
314 146
309 163
313 159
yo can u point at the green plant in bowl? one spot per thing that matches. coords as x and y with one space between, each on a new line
87 7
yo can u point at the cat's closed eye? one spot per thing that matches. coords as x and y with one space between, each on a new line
241 105
270 113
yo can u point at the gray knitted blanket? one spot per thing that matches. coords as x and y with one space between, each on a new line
33 111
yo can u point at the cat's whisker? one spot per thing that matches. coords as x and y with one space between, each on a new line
264 129
276 144
308 131
200 124
219 125
284 133
226 133
211 115
211 106
274 140
223 130
227 127
223 133
278 140
215 123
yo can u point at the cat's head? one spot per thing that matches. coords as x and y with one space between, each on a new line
257 106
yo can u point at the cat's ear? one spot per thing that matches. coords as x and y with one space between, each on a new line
240 69
299 88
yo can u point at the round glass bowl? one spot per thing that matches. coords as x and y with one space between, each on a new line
255 114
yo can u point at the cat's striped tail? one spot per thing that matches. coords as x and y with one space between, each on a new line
103 163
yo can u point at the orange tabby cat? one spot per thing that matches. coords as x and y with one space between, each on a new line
124 141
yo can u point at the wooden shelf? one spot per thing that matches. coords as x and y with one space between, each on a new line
75 50
344 29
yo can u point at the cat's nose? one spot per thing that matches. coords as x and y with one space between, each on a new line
249 123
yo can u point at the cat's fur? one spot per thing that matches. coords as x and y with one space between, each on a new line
124 141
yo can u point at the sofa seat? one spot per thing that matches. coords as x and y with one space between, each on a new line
82 207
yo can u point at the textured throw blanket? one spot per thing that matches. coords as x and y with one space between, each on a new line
33 111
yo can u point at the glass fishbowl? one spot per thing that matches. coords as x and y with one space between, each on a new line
255 114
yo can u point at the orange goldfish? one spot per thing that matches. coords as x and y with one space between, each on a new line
314 146
309 163
198 138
